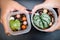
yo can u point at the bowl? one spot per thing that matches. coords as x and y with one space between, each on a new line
19 32
35 24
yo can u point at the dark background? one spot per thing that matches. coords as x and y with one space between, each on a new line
33 34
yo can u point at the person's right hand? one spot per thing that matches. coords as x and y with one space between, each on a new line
53 4
6 7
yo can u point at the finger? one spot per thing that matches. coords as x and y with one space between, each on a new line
0 21
34 10
19 7
6 28
59 10
4 21
23 9
53 28
38 7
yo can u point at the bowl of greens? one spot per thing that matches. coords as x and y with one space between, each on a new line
44 18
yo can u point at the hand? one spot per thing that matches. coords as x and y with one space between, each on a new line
53 4
6 8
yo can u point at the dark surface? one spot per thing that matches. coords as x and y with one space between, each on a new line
33 34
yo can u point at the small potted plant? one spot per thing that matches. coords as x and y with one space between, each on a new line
18 23
44 18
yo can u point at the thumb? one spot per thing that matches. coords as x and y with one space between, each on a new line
53 27
4 21
6 27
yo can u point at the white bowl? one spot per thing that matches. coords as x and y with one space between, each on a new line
55 16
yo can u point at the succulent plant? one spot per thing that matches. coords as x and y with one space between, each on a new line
15 24
41 21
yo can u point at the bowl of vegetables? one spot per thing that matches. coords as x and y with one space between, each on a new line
18 23
44 18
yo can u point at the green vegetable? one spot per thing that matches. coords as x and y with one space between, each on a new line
15 24
42 21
